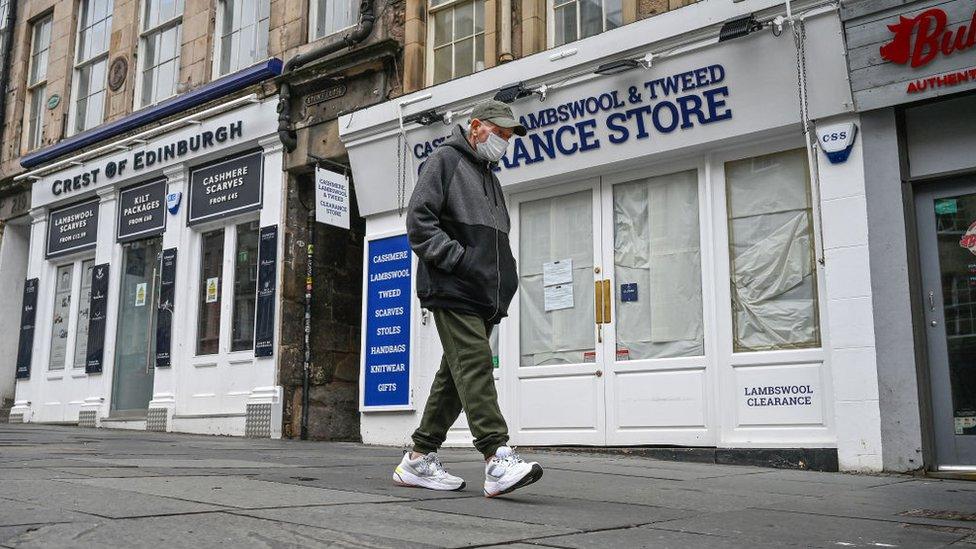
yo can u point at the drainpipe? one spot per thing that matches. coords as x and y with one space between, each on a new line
505 47
6 52
288 137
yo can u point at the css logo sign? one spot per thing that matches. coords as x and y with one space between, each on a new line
837 140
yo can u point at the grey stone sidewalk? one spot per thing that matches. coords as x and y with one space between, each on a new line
71 487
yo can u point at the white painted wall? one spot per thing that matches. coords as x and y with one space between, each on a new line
849 310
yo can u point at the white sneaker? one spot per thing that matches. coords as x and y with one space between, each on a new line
507 471
425 472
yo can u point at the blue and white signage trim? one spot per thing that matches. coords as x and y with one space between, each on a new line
386 353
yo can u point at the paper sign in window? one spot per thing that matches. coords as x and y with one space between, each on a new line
557 272
559 297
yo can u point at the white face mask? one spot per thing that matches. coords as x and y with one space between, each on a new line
493 149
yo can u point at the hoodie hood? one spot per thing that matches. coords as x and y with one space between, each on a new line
459 141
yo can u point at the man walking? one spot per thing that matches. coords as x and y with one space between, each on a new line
458 225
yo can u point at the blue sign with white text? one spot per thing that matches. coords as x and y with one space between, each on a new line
386 379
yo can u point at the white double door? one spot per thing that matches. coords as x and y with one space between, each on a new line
605 342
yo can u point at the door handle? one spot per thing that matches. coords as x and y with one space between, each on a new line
607 309
931 300
598 305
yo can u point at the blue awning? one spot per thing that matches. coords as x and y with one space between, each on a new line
204 94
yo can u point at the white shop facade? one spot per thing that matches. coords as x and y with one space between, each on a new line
150 299
685 279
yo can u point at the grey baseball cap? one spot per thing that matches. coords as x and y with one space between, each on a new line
499 114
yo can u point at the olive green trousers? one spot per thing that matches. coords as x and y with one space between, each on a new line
464 381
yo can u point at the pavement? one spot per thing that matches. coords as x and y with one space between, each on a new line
74 487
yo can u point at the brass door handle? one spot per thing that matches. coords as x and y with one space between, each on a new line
598 297
607 309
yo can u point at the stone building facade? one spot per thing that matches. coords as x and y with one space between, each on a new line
101 51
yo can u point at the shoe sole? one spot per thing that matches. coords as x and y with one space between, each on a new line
534 475
398 480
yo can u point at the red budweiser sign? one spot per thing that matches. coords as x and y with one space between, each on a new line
918 40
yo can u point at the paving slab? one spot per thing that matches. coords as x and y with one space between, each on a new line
566 512
405 522
660 493
649 538
208 530
17 513
95 500
810 530
186 463
239 492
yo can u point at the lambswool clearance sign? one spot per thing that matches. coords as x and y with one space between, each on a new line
386 379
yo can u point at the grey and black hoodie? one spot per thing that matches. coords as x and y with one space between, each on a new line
458 225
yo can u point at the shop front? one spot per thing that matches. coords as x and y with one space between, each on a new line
150 300
690 275
913 72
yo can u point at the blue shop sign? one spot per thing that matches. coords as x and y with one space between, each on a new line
386 379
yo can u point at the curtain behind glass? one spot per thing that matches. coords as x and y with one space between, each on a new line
774 290
554 229
656 247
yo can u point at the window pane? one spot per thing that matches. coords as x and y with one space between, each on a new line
39 51
463 57
36 123
245 286
81 327
442 64
565 24
774 288
442 27
463 20
479 16
551 335
613 14
211 266
59 323
479 52
657 262
244 37
591 18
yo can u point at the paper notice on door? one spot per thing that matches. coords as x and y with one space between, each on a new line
557 272
140 294
212 289
559 297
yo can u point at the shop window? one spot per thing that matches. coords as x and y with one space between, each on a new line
211 271
65 294
37 81
563 334
657 267
81 324
245 287
773 274
91 59
456 38
160 50
328 17
242 27
62 314
577 19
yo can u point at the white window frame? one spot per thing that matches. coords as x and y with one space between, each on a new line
226 296
145 34
218 39
450 5
35 141
313 15
71 343
78 66
551 21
